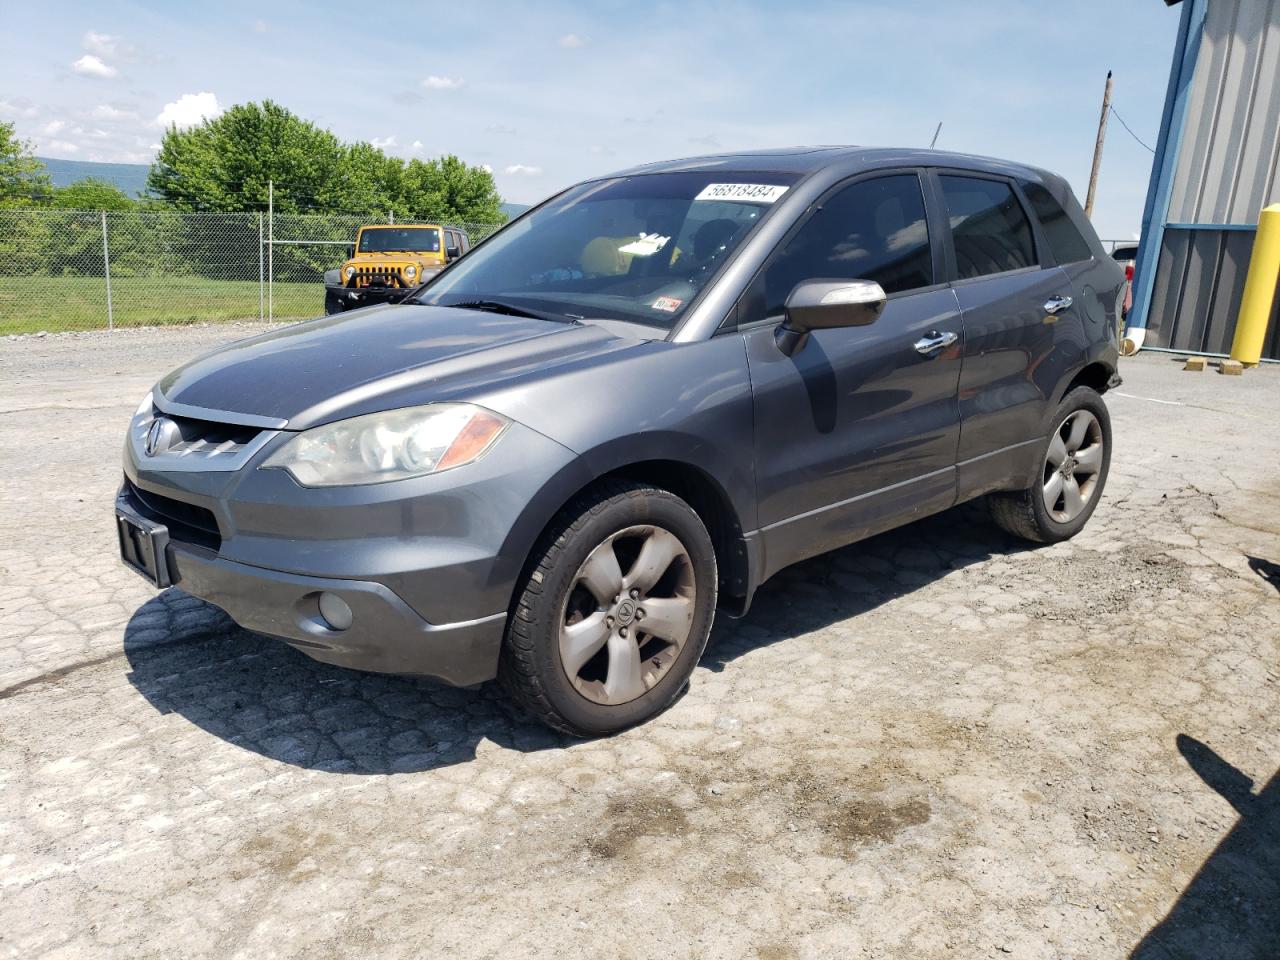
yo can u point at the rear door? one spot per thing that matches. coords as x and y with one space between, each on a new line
857 431
1016 305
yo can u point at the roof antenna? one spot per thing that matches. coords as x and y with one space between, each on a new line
935 135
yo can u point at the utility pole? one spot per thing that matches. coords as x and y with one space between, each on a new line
1097 148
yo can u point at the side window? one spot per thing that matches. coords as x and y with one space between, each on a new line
989 228
1064 239
871 230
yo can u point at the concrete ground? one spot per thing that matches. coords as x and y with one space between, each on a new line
938 743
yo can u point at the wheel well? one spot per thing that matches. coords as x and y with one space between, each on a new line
709 502
1095 375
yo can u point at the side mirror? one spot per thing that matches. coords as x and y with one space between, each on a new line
451 253
823 304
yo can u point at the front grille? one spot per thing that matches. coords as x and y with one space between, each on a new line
187 522
208 439
385 276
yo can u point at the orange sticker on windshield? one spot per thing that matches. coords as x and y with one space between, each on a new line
667 304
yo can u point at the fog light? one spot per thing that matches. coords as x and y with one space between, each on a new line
335 611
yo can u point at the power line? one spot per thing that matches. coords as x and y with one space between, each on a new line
1127 127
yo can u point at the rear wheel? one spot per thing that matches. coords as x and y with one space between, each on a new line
614 613
1075 459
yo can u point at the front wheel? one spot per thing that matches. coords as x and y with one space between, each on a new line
1075 459
332 303
614 612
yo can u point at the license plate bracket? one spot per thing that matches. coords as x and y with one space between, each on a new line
143 546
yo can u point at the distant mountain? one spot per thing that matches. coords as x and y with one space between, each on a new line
131 178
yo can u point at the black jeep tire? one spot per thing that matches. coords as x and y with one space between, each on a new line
333 303
632 675
1064 459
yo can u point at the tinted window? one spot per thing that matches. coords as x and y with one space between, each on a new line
988 226
1065 241
872 230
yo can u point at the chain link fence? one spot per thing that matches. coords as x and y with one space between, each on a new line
89 270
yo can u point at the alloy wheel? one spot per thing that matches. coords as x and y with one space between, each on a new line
1072 466
621 632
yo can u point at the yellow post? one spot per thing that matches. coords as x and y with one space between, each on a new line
1259 289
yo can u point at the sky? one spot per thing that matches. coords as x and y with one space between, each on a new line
551 93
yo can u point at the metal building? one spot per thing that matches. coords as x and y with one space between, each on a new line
1217 164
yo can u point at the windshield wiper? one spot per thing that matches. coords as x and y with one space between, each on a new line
508 309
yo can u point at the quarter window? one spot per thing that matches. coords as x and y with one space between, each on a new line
870 230
1064 239
989 228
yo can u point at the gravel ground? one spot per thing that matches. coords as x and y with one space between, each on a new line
937 743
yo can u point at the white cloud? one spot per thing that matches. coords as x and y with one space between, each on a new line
54 127
522 170
416 146
21 108
188 110
384 143
91 66
443 83
572 41
104 111
59 146
486 167
103 43
261 26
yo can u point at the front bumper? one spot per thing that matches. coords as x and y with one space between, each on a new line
353 297
385 635
425 566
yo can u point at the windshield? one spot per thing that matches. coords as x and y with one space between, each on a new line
387 239
638 249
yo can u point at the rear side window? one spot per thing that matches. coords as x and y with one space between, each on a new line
989 228
1064 239
870 230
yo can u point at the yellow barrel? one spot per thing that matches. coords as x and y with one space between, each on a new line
1259 289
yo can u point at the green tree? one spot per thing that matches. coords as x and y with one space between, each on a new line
225 165
90 193
449 190
22 176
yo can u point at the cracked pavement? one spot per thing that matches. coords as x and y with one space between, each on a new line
938 742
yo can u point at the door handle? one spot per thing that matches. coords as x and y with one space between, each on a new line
1055 304
935 341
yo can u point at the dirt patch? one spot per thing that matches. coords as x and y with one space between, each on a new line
279 854
629 818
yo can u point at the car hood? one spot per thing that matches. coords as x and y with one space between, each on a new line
375 359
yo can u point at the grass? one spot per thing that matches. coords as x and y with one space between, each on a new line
58 304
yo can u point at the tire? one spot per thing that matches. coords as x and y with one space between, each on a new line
332 303
1028 513
566 616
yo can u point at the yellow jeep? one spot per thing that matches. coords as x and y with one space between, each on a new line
387 261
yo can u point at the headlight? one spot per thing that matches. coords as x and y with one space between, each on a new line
349 272
394 445
411 271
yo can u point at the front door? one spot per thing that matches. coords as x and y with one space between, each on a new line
855 432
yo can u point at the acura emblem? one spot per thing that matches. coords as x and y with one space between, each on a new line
155 436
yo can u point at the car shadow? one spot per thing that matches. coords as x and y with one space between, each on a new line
858 578
187 657
1231 908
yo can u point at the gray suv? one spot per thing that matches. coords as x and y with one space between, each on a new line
630 407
